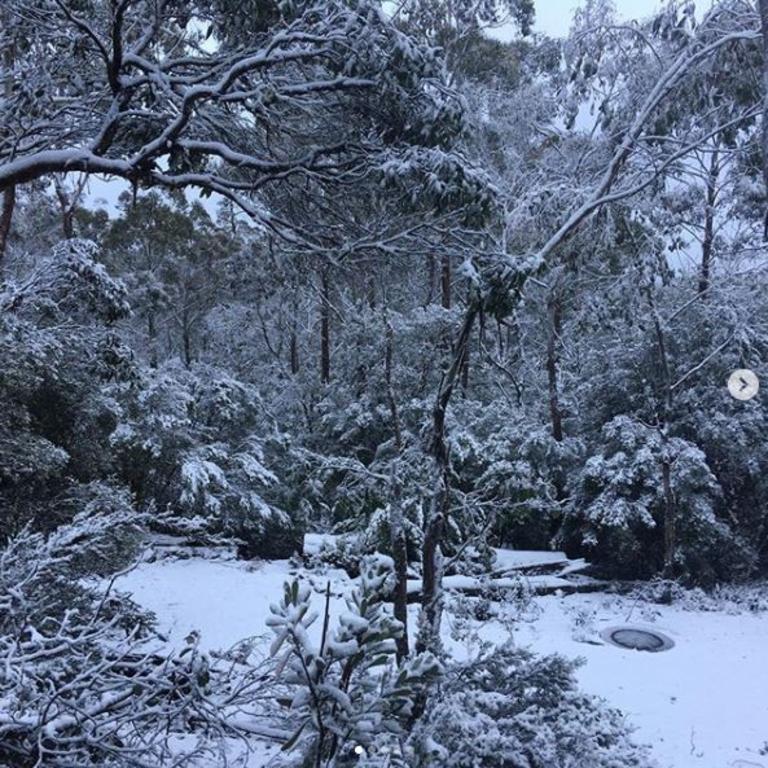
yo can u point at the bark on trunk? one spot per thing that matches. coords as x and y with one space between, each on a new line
325 327
399 546
665 408
187 343
152 340
398 540
709 223
763 7
6 217
294 353
555 307
445 281
9 195
431 277
670 522
431 597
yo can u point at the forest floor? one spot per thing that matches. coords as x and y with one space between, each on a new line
701 704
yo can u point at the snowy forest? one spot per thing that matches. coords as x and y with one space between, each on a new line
364 384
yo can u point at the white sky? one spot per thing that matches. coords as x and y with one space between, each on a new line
553 17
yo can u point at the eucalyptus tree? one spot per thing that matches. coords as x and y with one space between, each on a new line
165 94
631 78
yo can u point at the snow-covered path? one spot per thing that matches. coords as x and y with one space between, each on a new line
703 704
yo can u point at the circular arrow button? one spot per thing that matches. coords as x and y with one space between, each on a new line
743 384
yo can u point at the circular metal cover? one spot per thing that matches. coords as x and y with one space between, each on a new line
637 639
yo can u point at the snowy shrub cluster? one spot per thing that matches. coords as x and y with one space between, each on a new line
60 355
509 709
621 503
187 444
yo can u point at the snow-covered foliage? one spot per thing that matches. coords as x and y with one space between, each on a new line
376 273
86 680
512 709
347 692
189 447
621 501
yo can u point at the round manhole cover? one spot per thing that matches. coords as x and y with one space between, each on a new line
637 639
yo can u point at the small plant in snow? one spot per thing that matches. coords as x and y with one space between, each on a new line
345 691
583 627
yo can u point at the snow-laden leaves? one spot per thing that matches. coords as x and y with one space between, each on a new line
345 690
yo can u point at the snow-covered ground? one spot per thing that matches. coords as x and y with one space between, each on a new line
702 704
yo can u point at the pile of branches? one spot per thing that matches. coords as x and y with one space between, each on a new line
86 680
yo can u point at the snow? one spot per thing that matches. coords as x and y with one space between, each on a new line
316 542
701 704
469 583
514 559
226 601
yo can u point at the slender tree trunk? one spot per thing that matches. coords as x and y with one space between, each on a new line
431 593
325 326
152 339
709 223
67 224
763 7
670 518
187 348
400 556
398 540
293 344
68 202
665 409
445 281
6 217
9 195
294 352
431 277
555 310
186 328
465 373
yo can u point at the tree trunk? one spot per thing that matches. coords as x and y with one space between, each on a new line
665 409
465 372
6 217
399 544
398 540
555 309
68 202
294 352
431 277
152 339
431 596
670 522
187 342
187 323
325 327
9 195
67 223
763 7
709 223
445 281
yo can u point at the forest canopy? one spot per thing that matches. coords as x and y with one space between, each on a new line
377 271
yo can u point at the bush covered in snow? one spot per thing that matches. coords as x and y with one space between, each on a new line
510 709
187 443
85 682
347 692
